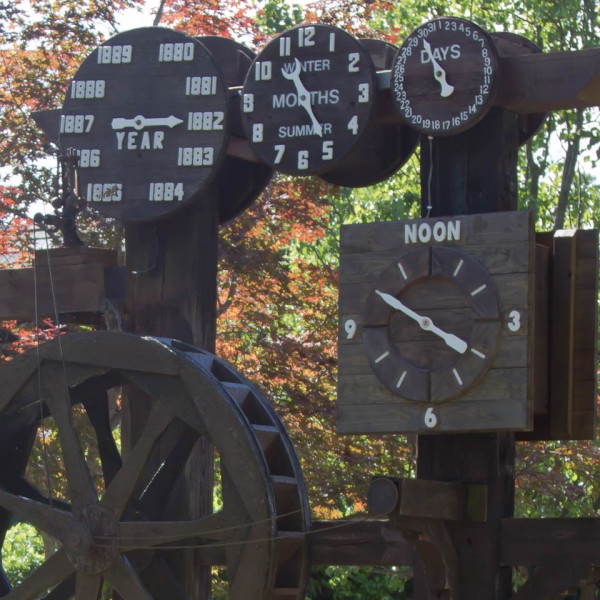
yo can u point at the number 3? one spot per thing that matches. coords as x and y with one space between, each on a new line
514 320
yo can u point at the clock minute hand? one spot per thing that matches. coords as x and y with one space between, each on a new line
303 94
438 72
425 323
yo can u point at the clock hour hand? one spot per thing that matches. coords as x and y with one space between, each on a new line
425 323
438 72
139 122
303 94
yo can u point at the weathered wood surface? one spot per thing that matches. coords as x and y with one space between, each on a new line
568 410
172 293
75 282
358 542
503 244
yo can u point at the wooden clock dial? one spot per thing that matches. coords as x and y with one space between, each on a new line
307 99
444 77
436 330
431 324
146 114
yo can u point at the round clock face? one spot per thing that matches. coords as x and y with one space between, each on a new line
444 76
146 116
431 324
307 99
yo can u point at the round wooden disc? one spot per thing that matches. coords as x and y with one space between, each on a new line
239 181
382 149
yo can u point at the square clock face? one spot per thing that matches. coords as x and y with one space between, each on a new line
436 325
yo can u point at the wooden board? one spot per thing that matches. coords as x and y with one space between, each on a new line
74 283
569 366
502 397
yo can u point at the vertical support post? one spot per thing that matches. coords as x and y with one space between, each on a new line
471 173
172 266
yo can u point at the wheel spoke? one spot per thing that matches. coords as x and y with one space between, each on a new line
87 587
98 412
46 518
46 576
79 478
221 526
119 492
125 580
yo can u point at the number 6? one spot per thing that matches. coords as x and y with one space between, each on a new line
430 419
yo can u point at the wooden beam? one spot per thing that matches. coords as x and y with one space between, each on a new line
358 542
549 541
533 83
547 583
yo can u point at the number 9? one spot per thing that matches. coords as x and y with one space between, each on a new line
350 327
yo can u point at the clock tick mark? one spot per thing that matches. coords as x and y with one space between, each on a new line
458 267
479 289
402 271
383 356
401 379
477 353
457 376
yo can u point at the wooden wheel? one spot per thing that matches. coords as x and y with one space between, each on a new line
125 532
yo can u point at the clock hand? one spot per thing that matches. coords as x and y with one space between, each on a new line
139 122
425 323
303 95
438 72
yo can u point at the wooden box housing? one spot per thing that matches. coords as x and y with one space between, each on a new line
501 398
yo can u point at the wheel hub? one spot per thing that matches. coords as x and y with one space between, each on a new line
90 540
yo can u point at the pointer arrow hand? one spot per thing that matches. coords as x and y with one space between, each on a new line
140 122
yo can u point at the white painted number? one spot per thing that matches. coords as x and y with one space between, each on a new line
306 36
263 70
280 150
165 192
177 52
353 60
88 158
363 92
114 55
303 160
195 157
206 121
248 103
350 327
430 419
76 123
201 86
353 124
514 320
327 151
104 192
285 46
257 132
92 88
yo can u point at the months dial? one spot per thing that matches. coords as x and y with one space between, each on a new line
444 76
146 115
307 99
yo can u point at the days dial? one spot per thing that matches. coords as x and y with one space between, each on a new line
307 99
146 115
444 77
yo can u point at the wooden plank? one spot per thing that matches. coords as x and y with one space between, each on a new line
64 289
76 255
550 81
358 542
549 541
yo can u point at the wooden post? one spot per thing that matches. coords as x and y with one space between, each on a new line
474 172
173 272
